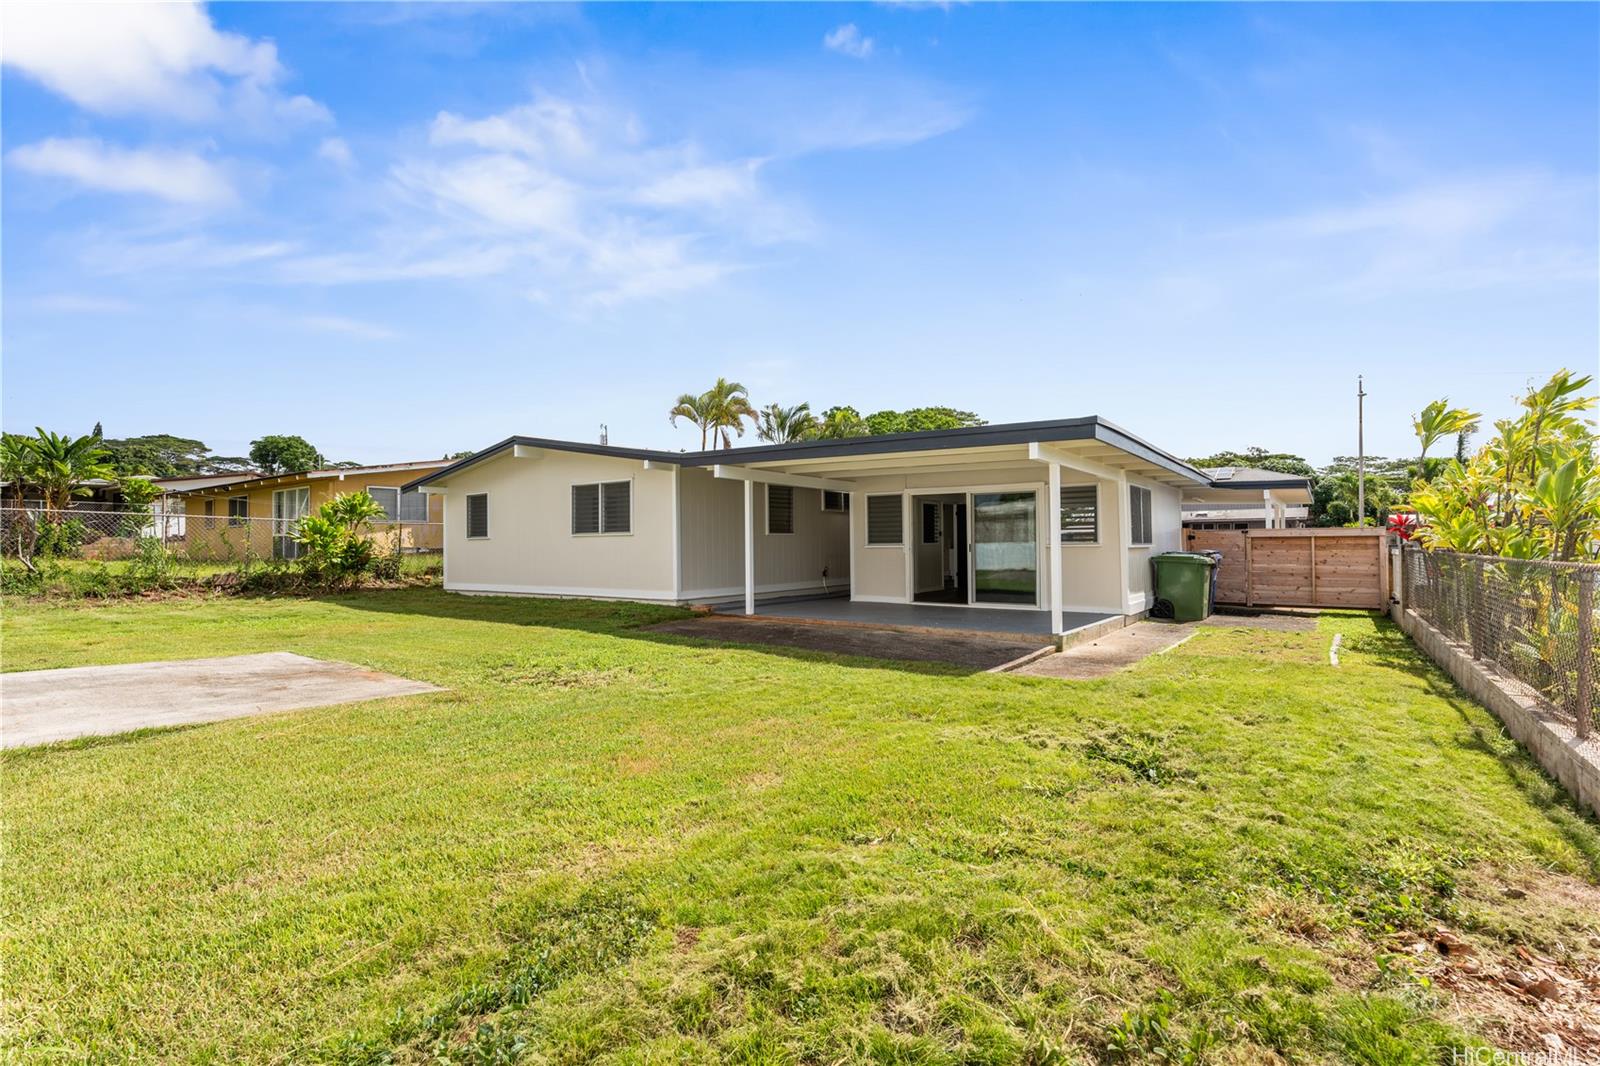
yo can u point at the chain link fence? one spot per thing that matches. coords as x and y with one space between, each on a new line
110 536
1535 621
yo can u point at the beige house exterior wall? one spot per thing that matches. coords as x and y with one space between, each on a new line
531 549
711 520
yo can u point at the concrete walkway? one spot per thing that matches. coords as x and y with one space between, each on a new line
39 706
1107 654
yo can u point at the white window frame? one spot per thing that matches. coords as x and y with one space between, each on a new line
283 526
1149 516
600 503
844 501
467 523
387 520
794 525
866 520
1098 537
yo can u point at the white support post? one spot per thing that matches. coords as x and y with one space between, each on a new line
1266 506
749 547
1053 518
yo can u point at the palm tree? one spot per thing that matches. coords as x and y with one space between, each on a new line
780 425
63 463
841 422
696 409
19 463
722 407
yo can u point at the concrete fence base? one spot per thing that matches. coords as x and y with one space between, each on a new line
1551 739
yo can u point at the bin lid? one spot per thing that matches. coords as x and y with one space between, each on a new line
1186 559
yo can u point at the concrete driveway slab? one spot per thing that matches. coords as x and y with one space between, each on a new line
40 706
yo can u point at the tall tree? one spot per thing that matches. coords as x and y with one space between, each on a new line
695 408
1261 459
722 407
284 454
920 420
780 425
159 455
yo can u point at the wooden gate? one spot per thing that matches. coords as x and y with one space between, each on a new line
1298 567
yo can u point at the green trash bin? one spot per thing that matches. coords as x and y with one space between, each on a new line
1183 586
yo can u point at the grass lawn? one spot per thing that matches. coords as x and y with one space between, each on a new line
605 843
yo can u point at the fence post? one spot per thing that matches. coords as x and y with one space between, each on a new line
1586 635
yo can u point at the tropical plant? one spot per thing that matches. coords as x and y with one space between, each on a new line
1533 491
61 463
721 408
337 547
839 422
780 425
1437 421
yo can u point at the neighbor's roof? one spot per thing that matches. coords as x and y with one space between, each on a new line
1091 428
1252 477
255 480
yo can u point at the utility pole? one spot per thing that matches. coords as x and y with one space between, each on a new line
1361 452
605 434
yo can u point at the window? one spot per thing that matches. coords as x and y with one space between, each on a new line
388 498
931 531
288 507
238 510
211 508
1080 514
413 506
602 507
478 516
884 520
835 501
780 508
1139 515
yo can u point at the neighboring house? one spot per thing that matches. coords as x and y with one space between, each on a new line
950 517
92 494
1245 497
254 515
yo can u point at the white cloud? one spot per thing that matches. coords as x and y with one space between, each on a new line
847 40
157 58
709 185
71 303
348 327
177 177
336 151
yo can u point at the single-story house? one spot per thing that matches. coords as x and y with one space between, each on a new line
1249 498
1058 518
253 514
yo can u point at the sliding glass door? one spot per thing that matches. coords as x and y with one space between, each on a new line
1005 547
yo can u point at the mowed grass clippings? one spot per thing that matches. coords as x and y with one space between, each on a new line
604 843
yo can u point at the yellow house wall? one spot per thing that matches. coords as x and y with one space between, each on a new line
212 537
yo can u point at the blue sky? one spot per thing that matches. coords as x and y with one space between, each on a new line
405 230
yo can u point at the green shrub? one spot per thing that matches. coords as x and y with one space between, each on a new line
61 539
338 550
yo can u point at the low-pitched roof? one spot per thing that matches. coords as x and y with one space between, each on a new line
1090 428
254 479
1252 477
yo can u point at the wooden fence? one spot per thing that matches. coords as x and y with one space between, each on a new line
1298 567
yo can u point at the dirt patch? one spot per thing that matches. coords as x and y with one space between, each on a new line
958 649
1281 622
1522 971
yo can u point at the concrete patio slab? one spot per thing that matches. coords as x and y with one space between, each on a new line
1111 652
972 651
1006 622
40 706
